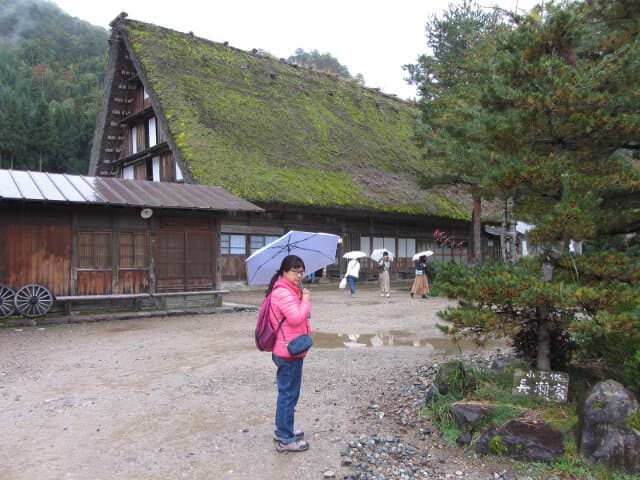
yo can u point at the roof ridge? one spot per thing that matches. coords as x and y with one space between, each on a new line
256 52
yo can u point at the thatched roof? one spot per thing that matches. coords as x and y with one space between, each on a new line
269 131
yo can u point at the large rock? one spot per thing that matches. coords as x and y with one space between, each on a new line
468 414
606 436
523 440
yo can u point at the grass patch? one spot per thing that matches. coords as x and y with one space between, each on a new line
571 465
493 388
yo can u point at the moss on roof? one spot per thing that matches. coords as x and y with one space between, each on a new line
268 131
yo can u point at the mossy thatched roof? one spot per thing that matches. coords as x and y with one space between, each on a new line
270 132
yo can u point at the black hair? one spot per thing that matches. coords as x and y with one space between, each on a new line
288 263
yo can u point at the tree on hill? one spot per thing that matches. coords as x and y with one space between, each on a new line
51 66
323 62
560 127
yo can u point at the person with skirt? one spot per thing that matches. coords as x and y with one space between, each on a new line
384 274
421 282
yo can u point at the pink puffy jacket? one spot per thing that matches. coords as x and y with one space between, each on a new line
285 301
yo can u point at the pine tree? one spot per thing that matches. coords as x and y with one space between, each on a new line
41 134
450 129
561 118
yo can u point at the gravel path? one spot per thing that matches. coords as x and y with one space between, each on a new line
191 397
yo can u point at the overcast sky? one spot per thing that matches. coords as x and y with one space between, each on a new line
371 37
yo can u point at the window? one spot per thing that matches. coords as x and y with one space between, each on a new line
232 245
199 254
388 243
128 173
148 169
134 140
94 250
365 244
155 169
170 255
134 250
423 244
153 139
406 247
258 241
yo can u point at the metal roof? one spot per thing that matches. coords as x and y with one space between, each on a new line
61 188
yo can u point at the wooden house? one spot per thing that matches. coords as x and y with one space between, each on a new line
110 241
316 151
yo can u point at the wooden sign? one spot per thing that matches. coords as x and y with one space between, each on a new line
553 386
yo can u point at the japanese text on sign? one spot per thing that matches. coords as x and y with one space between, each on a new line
552 386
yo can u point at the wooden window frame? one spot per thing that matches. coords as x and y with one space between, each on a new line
226 244
256 242
139 258
90 247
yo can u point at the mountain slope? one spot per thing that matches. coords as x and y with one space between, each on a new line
51 71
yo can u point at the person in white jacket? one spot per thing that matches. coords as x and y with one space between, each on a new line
353 270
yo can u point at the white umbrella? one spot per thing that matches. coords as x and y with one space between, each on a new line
426 253
376 255
317 250
354 254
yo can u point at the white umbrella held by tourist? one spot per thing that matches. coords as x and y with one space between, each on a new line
426 253
317 250
376 255
354 254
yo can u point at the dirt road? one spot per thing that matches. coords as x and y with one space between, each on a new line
191 397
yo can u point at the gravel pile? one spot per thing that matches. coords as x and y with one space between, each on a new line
403 445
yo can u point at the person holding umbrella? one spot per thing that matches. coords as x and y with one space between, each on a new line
353 271
384 274
421 282
291 302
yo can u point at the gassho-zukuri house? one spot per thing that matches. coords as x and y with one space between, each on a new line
316 151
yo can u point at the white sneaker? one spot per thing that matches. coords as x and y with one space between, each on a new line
295 446
387 295
382 294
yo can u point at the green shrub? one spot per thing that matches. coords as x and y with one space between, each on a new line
497 447
634 420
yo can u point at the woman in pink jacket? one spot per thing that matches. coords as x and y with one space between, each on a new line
292 302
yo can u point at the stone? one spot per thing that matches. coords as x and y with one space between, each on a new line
431 394
469 413
523 440
606 436
449 374
464 440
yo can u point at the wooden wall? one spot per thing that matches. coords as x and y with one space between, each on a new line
95 251
35 254
185 258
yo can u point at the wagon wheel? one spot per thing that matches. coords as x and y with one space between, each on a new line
33 300
6 301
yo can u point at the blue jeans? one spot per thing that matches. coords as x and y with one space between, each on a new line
289 379
352 283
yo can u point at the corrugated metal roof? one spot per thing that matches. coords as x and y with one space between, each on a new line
78 189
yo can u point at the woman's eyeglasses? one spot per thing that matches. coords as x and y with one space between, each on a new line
297 272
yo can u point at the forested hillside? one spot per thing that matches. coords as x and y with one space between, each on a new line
51 73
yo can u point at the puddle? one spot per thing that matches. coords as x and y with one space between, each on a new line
397 338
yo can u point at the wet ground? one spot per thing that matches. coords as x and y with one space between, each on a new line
191 397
